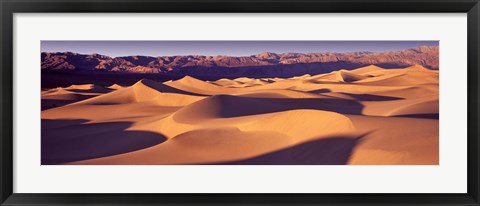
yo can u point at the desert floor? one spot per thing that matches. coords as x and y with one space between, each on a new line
367 116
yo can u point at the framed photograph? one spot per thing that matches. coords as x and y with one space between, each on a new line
264 102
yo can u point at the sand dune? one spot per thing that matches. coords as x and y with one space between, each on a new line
368 70
346 76
87 88
62 96
369 115
395 140
115 86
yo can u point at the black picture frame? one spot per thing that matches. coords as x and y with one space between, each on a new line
9 7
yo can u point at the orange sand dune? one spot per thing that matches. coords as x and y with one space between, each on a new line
369 115
115 86
62 96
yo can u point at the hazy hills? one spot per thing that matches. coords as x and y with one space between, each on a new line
261 65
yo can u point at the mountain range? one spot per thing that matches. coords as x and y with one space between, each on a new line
266 64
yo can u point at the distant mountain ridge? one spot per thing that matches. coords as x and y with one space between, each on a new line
264 64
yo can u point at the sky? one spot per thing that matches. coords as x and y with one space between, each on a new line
229 48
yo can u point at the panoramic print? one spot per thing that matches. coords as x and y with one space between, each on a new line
239 102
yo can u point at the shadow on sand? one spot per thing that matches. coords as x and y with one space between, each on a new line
371 97
52 103
328 151
167 89
423 116
239 106
73 140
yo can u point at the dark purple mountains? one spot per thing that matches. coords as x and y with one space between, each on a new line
261 65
